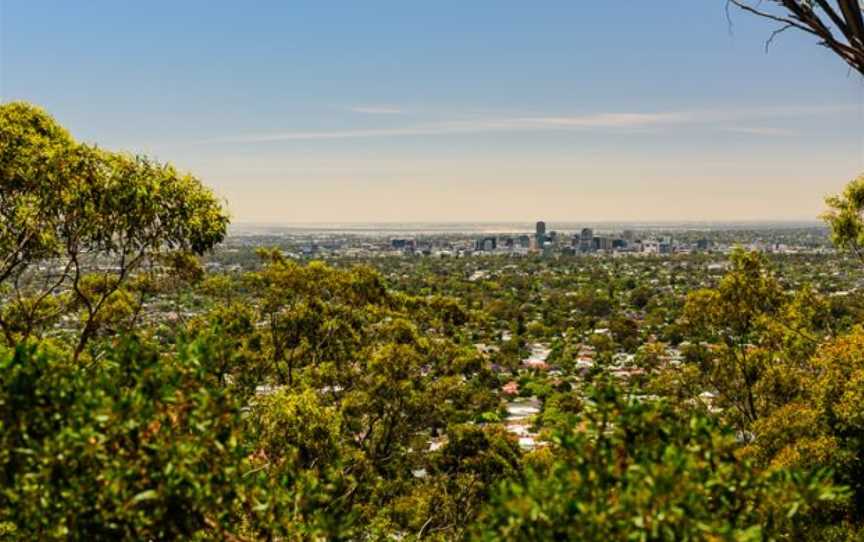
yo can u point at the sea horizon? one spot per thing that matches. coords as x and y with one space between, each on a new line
455 227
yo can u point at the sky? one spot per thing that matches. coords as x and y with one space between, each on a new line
481 110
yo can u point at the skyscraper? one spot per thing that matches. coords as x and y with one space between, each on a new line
540 235
586 240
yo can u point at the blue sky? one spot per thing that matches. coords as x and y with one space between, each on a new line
473 110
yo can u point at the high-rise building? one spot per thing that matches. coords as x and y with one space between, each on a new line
403 244
586 240
486 244
602 243
666 245
541 228
540 234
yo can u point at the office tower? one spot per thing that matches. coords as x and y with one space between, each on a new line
666 245
486 244
540 235
586 240
602 243
403 244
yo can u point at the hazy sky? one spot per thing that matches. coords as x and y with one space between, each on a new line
461 110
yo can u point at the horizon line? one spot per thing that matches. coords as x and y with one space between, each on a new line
547 221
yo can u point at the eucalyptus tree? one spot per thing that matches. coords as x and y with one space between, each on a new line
732 316
629 469
79 223
844 216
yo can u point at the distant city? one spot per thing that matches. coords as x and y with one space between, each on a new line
538 239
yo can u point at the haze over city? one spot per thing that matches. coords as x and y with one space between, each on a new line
452 111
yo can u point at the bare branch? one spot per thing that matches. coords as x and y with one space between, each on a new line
821 19
774 34
783 20
834 16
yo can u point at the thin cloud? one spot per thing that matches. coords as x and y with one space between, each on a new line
601 121
760 131
376 109
620 122
611 120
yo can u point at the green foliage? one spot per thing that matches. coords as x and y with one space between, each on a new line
733 317
844 217
143 398
633 470
95 217
625 331
460 476
823 427
139 446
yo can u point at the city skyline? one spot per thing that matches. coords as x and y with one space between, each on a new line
449 113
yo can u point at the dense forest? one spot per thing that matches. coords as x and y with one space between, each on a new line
584 398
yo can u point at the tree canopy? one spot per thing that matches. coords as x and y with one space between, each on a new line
78 223
154 386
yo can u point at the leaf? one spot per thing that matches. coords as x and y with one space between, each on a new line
148 495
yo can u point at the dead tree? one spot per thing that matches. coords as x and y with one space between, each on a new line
839 24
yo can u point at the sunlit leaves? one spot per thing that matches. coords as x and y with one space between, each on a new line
80 219
634 470
844 216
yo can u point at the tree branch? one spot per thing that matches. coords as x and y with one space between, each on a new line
818 21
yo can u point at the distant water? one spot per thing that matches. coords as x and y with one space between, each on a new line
431 228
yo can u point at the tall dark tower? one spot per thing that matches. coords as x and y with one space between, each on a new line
541 233
586 240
